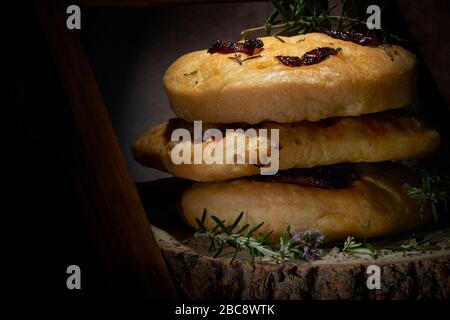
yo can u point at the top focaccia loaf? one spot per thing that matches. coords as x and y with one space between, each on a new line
358 80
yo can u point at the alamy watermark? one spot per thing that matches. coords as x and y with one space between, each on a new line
74 279
239 146
374 278
374 20
73 21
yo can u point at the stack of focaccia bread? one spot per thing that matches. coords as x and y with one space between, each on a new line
332 98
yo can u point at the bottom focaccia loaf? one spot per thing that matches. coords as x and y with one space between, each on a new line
373 205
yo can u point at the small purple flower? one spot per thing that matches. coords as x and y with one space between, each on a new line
297 237
309 243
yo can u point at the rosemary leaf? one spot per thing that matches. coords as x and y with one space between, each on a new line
280 39
220 224
243 229
250 233
252 57
235 223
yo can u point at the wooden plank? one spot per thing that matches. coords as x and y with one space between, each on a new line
121 232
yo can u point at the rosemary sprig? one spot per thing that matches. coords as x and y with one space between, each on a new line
429 241
294 17
238 58
297 247
243 239
358 248
290 247
437 240
433 190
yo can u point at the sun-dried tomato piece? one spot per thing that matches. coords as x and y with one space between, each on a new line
327 177
311 57
354 37
249 47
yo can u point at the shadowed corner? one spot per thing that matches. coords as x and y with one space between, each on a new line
160 199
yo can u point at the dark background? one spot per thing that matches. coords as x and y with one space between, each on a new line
129 50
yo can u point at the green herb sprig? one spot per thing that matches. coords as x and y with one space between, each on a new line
294 17
243 239
238 58
289 247
358 248
433 190
427 241
430 241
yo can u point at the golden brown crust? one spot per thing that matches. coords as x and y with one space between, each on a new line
369 138
359 80
375 206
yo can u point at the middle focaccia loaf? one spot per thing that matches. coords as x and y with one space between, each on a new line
368 138
358 80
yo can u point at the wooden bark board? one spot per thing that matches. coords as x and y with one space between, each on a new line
198 275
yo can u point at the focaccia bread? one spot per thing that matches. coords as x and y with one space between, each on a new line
368 138
358 80
376 205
